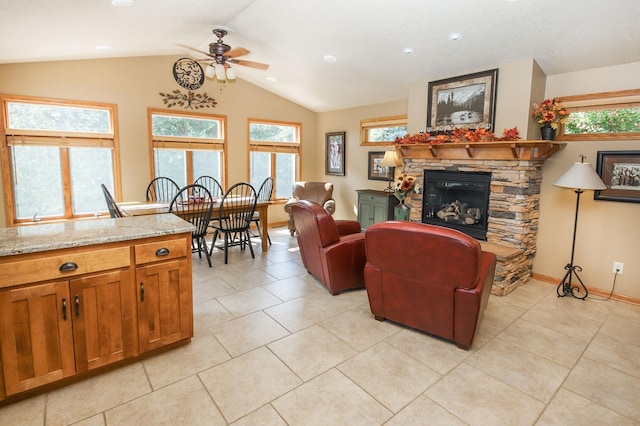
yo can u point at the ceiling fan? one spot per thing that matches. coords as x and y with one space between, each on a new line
221 55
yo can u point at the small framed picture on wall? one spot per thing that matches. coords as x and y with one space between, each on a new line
335 153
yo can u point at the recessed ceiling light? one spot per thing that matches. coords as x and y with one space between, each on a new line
455 36
272 79
103 47
407 50
121 3
330 59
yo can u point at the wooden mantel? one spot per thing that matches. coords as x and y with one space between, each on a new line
511 150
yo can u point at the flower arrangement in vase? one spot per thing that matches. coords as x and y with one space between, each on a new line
405 184
550 114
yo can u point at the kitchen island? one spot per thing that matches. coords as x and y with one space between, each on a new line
79 297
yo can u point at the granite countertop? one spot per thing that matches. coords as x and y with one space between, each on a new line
76 233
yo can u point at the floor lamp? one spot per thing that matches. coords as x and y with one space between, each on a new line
579 177
390 160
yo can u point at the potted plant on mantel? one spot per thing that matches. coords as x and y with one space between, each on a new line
549 115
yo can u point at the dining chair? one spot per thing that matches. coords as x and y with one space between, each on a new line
162 189
193 204
211 184
264 195
114 211
234 218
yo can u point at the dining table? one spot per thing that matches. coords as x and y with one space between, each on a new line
138 208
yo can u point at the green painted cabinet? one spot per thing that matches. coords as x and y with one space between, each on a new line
375 206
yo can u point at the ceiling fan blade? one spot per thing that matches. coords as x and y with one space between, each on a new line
251 64
195 50
238 51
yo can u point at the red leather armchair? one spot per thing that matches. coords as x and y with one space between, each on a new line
331 250
431 278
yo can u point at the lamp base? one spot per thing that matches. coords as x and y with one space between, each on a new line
565 288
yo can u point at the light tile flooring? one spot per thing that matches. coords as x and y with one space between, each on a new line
273 347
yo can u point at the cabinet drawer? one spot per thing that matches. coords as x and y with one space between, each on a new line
52 266
160 250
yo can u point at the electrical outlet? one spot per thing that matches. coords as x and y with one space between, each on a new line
618 267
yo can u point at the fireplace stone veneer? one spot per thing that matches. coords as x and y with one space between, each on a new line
514 210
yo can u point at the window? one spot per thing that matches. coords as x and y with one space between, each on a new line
274 151
58 152
382 131
601 116
187 145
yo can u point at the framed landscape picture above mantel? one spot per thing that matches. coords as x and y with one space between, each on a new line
464 101
620 171
334 153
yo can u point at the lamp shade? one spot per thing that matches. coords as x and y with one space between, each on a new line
580 176
390 159
231 74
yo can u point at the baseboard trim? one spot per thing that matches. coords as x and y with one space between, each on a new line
596 291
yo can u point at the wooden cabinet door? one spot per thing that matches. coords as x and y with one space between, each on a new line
165 304
36 337
103 309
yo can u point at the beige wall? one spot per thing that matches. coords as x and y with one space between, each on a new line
134 85
607 231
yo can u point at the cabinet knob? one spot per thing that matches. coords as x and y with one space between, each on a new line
68 267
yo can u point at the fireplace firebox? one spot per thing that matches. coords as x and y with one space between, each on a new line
458 200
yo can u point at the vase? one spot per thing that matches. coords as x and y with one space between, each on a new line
401 211
547 133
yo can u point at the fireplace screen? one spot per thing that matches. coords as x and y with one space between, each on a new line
458 200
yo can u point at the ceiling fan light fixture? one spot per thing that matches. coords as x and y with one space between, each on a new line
231 74
210 71
220 73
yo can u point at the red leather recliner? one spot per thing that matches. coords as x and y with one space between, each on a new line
431 278
331 250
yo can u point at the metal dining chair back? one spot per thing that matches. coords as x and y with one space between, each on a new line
211 184
114 211
235 213
193 203
162 189
264 195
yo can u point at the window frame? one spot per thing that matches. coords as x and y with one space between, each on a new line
275 148
376 123
188 144
63 140
602 100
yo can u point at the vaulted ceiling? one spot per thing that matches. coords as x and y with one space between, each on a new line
366 38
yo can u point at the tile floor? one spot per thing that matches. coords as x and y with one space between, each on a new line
272 347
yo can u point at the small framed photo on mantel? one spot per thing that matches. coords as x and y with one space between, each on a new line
334 153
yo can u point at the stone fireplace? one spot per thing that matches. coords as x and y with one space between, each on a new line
515 175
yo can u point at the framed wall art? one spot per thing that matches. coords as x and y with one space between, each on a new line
376 171
620 171
334 153
464 101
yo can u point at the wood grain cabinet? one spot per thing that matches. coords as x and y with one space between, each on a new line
375 206
165 301
113 304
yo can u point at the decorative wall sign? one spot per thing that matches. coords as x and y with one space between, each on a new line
620 171
189 100
465 101
188 73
